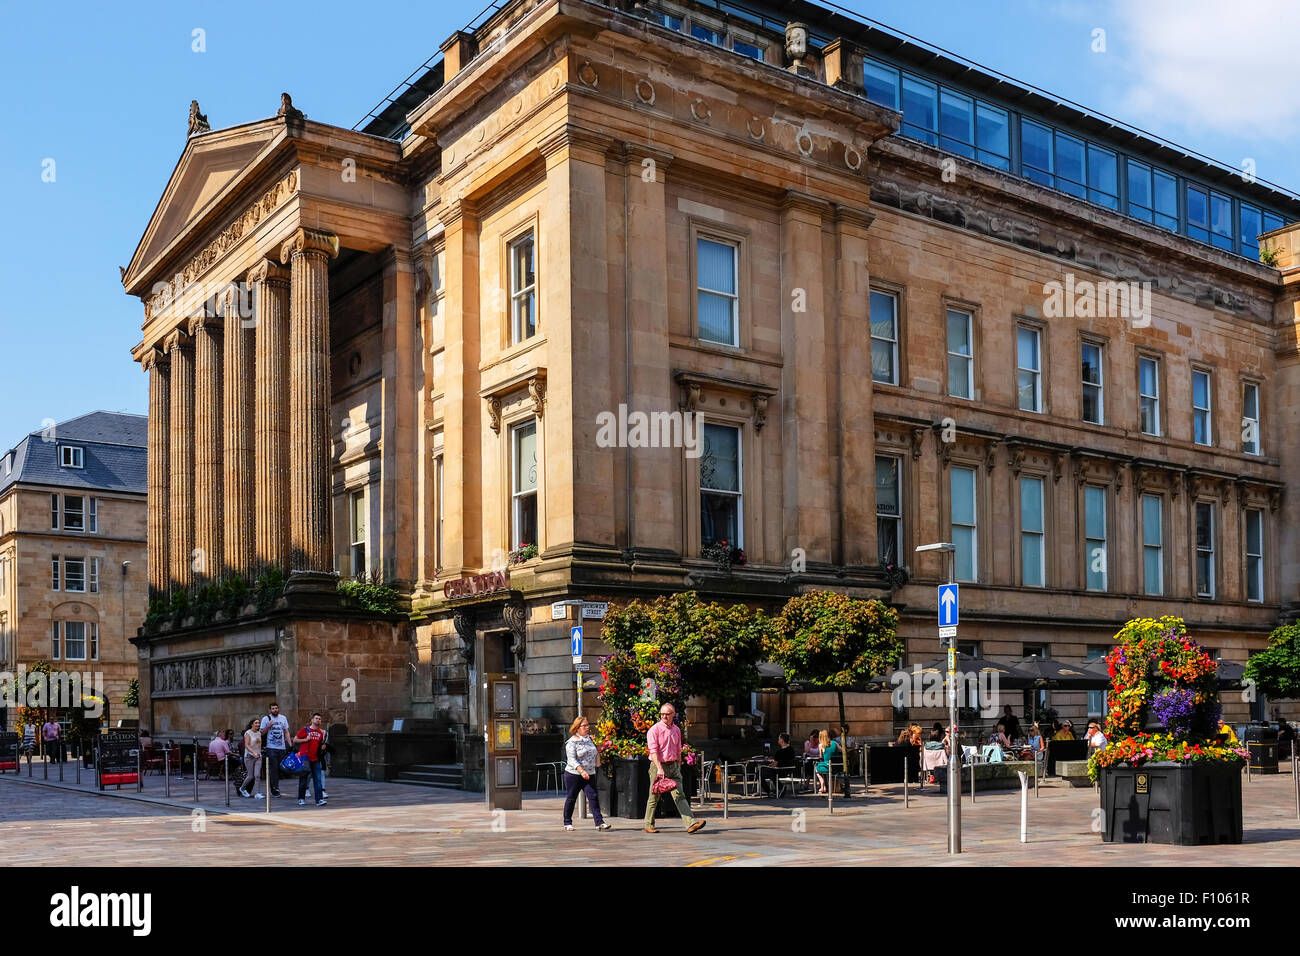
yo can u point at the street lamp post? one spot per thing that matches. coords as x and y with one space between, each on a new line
954 745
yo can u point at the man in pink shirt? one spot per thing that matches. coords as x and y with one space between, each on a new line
664 741
219 746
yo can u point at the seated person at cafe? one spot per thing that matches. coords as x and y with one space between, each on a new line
1063 731
1036 742
999 736
829 753
904 737
937 740
1010 722
783 759
1096 739
1226 734
811 747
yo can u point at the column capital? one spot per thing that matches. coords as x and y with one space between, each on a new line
177 339
792 199
634 154
204 323
454 209
154 356
852 216
269 271
307 241
572 137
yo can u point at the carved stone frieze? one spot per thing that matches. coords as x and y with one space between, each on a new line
247 671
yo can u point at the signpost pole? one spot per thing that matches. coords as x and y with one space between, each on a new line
954 767
195 762
167 771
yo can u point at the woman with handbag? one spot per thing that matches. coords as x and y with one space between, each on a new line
579 768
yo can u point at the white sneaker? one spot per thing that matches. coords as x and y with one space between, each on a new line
324 795
302 803
568 826
259 796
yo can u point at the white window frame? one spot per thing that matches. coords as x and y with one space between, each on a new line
967 357
67 654
67 577
1196 514
1036 372
975 518
437 535
1154 398
1159 549
92 516
1089 543
1207 410
521 294
353 541
1245 420
1257 576
733 297
1040 534
1099 385
896 518
92 575
55 576
58 643
79 513
72 456
92 640
739 494
54 512
517 496
893 343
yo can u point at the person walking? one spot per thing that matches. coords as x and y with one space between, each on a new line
579 769
309 741
252 758
664 742
28 745
52 733
275 727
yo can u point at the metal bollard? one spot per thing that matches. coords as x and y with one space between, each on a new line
139 771
29 764
905 789
195 762
1295 777
61 762
972 782
80 760
1024 805
726 787
582 804
167 771
45 765
225 769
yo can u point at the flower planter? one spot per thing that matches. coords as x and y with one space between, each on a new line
1187 804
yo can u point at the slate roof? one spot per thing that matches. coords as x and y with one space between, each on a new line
115 454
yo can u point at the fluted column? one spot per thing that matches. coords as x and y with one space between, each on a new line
208 447
311 537
237 442
181 519
155 362
270 283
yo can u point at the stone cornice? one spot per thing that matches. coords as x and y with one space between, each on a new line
793 199
310 242
152 357
850 215
270 272
634 154
177 339
574 137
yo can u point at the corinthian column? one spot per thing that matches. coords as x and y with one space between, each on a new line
311 538
180 522
206 332
159 369
270 283
237 440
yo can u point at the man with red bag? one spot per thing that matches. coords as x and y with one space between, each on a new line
664 741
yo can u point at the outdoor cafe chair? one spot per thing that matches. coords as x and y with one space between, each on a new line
550 769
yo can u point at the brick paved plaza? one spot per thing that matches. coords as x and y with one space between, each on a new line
371 823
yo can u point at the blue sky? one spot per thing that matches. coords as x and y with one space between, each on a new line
104 91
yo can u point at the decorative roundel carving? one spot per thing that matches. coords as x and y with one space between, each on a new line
852 158
587 75
556 78
479 134
354 364
519 105
800 140
700 110
645 92
756 127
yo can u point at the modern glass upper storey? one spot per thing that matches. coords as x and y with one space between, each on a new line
965 110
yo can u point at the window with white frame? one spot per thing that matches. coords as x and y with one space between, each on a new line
92 574
74 513
1204 549
721 497
884 337
1201 418
54 573
964 525
92 515
1028 369
717 297
1093 389
93 634
523 485
437 536
961 354
1149 394
73 456
74 574
357 527
1032 556
1094 549
1254 555
57 651
74 640
1250 419
523 288
889 512
1153 544
54 512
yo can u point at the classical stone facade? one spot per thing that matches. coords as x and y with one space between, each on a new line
73 584
648 206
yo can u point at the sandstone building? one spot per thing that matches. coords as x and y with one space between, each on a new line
910 300
72 551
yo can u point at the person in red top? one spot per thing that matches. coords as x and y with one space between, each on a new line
309 741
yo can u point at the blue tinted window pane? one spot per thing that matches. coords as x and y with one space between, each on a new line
1095 512
964 558
1200 390
957 123
1147 376
1252 224
1166 195
920 112
992 133
1031 560
963 496
747 49
1221 220
1151 524
1069 162
1036 150
1198 213
993 159
1038 176
1139 190
1031 504
1151 571
1272 221
705 34
1103 176
881 83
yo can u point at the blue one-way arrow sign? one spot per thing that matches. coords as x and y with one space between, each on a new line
575 635
947 605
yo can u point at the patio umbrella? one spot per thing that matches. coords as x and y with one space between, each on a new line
1230 672
1009 677
1050 674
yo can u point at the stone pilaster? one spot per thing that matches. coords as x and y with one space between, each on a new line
270 283
208 447
398 511
311 538
237 442
181 519
462 410
155 362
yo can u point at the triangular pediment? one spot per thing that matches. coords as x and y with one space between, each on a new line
209 169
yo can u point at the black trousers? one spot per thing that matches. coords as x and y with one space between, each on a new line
573 782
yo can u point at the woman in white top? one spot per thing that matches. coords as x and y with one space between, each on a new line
579 772
252 758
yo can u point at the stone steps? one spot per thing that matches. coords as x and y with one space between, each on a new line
440 776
